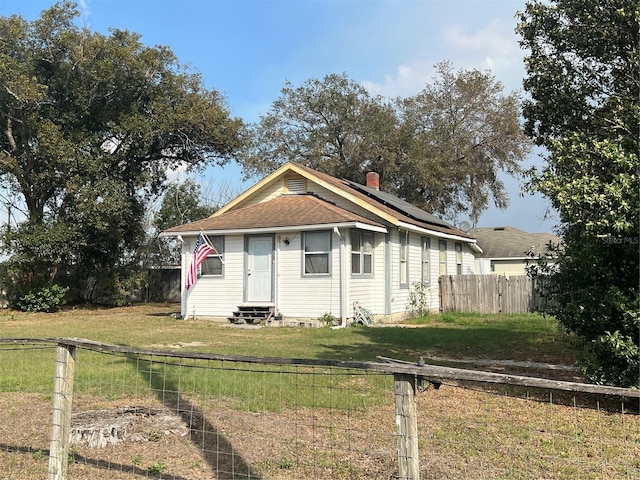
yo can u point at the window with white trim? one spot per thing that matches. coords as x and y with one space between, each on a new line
458 258
212 265
404 258
443 257
317 252
426 261
361 252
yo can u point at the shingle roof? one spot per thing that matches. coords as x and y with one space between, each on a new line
299 210
386 202
510 242
283 211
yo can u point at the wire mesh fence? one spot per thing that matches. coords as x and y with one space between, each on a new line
140 414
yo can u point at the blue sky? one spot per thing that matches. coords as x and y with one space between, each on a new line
248 49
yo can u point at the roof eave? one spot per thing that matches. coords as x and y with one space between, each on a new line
293 167
288 228
449 236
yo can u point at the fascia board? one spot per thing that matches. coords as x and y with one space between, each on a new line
296 228
471 242
518 258
292 167
251 190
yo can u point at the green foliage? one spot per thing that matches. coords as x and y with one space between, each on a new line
441 149
38 455
43 299
157 468
329 320
460 132
181 203
582 78
418 305
582 68
91 124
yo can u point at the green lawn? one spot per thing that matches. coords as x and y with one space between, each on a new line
464 432
527 337
531 338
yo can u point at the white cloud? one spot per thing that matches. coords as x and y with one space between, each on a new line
494 40
408 80
492 46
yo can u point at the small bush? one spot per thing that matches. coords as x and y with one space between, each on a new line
329 320
43 299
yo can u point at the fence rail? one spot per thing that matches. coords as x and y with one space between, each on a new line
201 415
488 294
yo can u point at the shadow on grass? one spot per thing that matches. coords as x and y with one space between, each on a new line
216 450
485 342
81 459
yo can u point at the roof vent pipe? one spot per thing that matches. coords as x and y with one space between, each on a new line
373 180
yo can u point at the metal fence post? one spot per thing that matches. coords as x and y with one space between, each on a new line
61 425
407 426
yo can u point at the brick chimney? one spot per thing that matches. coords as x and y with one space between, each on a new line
373 180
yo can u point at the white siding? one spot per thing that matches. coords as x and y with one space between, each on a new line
400 293
211 296
310 297
468 261
367 290
301 296
432 290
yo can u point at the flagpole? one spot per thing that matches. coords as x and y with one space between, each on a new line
210 243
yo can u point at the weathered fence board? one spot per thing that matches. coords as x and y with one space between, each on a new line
488 294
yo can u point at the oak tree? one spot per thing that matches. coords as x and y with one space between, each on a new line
442 149
91 124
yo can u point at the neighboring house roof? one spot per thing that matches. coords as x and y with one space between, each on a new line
510 242
303 209
284 211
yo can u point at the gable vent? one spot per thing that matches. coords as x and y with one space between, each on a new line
296 185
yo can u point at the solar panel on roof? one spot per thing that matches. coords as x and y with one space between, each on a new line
400 205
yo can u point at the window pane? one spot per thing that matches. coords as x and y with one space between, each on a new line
426 253
316 263
212 266
316 242
367 242
355 241
443 257
217 244
443 269
368 263
355 263
404 265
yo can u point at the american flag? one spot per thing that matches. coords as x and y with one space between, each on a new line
200 252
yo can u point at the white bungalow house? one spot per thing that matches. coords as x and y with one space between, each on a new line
303 245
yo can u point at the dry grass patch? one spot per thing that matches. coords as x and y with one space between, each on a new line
462 434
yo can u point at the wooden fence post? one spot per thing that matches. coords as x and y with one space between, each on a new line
62 399
407 426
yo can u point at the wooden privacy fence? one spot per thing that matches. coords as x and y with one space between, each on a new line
488 294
